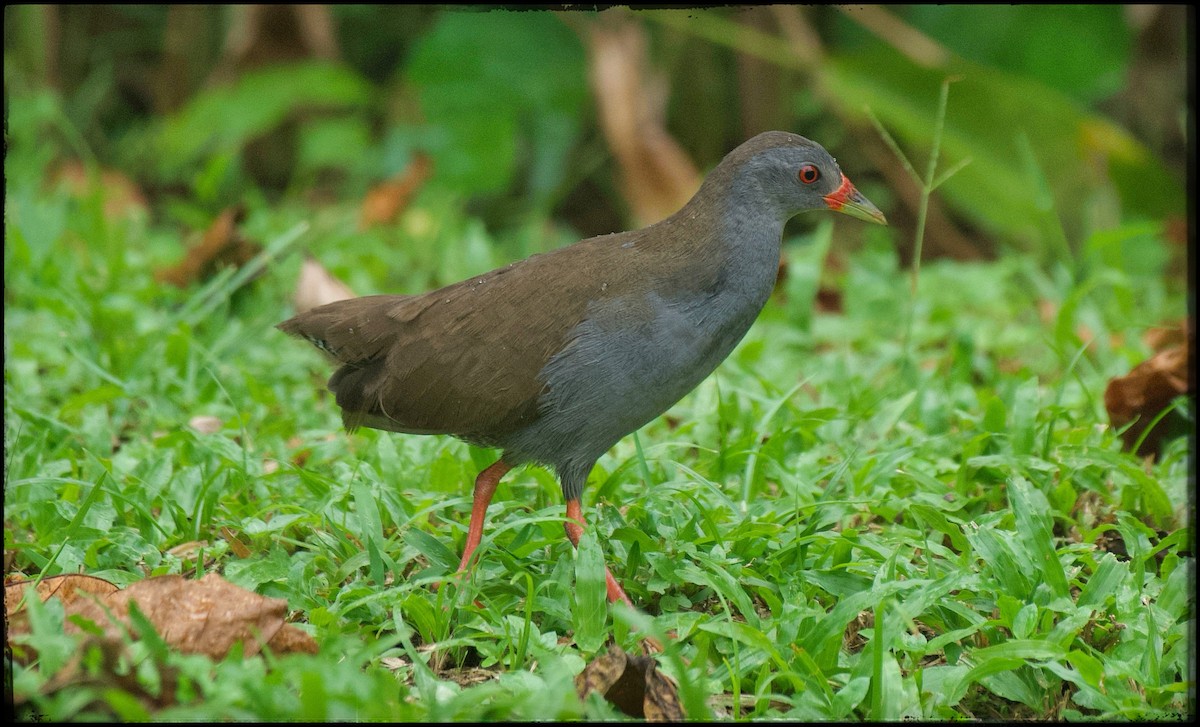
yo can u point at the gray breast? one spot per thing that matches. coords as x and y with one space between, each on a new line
626 363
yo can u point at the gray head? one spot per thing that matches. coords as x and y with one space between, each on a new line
787 173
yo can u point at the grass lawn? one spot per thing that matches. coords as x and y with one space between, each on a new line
845 522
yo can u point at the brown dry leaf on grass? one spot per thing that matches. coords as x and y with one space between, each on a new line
657 176
385 201
122 196
316 286
1138 398
205 424
220 246
206 616
67 588
633 684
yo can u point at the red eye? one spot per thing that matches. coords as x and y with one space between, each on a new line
809 173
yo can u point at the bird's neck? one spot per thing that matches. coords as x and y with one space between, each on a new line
740 232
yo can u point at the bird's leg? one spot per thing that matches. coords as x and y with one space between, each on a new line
485 487
574 527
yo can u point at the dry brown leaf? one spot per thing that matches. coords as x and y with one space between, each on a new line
220 246
236 544
1137 398
633 684
725 707
290 639
468 676
1176 231
206 616
1047 310
122 196
316 286
190 549
829 300
657 175
394 663
66 587
205 424
1160 337
852 639
70 589
387 200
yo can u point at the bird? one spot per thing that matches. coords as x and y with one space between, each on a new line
555 358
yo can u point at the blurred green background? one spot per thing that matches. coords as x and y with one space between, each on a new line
1072 117
874 447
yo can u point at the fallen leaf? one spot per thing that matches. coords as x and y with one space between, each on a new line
852 640
387 200
66 587
316 286
657 175
468 676
633 684
1047 310
205 424
220 246
207 616
236 544
725 707
189 549
829 300
1139 397
122 196
1160 337
290 639
394 663
1176 231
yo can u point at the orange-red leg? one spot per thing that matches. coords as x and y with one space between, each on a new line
485 487
574 527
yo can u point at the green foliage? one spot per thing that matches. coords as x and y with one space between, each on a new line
590 607
499 88
879 541
1032 150
1055 44
222 120
844 523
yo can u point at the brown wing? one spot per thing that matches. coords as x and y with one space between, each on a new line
464 359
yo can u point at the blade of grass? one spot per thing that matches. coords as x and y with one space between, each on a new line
1032 512
590 594
641 458
206 300
751 470
877 651
928 183
371 526
73 527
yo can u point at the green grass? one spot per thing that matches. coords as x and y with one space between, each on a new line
838 525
